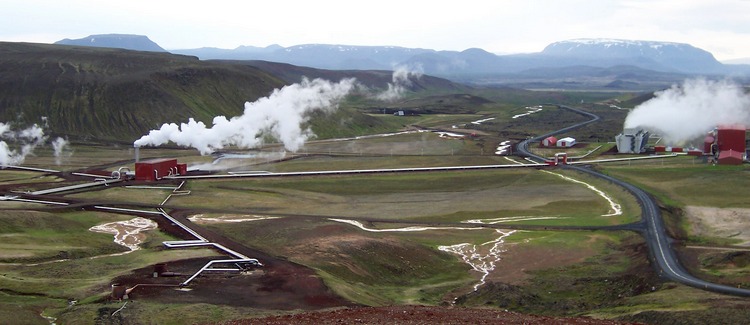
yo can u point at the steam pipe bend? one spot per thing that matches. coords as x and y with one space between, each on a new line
657 240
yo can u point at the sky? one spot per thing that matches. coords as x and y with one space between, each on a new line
499 26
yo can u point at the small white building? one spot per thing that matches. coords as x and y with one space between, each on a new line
566 142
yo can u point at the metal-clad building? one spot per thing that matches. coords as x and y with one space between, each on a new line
731 157
566 142
731 138
632 140
549 142
155 169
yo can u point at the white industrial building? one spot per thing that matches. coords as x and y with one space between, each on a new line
566 142
632 140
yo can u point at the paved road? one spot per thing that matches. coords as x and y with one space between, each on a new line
659 243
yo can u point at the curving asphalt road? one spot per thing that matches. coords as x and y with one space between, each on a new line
659 243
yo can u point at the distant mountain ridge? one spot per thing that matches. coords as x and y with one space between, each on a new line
665 61
657 56
120 41
663 55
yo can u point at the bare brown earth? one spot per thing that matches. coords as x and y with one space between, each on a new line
417 315
720 222
519 259
280 286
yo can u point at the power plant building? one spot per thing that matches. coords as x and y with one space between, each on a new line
632 140
731 138
156 169
730 142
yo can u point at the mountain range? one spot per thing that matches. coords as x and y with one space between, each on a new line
610 63
656 56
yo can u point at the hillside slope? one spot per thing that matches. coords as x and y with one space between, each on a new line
370 78
115 95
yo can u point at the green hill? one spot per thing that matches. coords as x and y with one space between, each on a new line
117 95
114 95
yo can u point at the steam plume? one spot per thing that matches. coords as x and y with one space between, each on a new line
400 80
685 113
28 139
59 146
280 115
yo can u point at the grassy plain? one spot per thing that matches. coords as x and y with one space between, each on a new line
684 182
437 197
48 259
597 273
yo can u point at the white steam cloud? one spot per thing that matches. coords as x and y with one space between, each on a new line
61 148
280 115
685 113
400 81
27 140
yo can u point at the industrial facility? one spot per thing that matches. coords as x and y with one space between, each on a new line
725 145
632 140
566 142
156 169
729 145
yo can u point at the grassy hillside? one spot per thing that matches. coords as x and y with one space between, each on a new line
111 94
370 78
114 95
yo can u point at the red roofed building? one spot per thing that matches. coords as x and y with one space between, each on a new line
731 157
730 141
549 142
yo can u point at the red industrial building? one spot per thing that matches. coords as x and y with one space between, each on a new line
731 157
731 138
549 142
155 169
730 143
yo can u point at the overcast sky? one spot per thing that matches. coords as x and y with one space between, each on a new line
721 27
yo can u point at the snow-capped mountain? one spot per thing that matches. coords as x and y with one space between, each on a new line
660 56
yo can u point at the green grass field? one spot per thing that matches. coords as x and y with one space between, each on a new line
607 276
439 197
682 182
46 261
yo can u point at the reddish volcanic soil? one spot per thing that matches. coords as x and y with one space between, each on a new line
416 315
